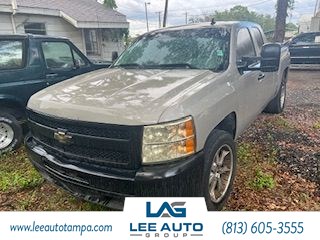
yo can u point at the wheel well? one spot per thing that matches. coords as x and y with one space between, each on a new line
13 108
229 124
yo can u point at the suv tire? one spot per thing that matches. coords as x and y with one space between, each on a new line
220 169
10 133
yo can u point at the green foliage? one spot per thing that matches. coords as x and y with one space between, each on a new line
291 27
262 181
245 153
280 122
16 172
316 125
240 13
110 4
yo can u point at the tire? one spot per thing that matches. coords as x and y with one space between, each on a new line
219 171
277 104
10 133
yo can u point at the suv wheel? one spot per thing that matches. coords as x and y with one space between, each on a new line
10 133
220 169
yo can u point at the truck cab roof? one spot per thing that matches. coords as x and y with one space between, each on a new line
29 36
221 24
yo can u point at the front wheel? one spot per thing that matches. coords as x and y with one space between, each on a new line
220 169
10 133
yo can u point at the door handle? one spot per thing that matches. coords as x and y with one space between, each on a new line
261 76
52 75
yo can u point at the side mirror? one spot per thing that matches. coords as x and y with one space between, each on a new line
270 57
114 56
77 64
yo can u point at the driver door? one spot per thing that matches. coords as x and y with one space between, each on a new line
62 62
247 84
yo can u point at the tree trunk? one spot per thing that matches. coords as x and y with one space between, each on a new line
282 8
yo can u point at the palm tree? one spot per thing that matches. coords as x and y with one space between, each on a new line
110 4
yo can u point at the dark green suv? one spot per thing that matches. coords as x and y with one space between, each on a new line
29 63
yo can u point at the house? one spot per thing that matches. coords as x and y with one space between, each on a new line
305 23
315 23
93 28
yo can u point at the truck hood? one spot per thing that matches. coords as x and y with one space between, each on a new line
117 96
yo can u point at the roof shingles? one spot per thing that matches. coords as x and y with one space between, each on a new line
80 10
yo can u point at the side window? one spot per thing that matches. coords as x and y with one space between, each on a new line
11 54
57 55
256 34
245 47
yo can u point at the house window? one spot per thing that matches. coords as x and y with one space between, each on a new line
92 42
35 28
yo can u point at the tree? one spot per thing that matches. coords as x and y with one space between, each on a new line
239 13
110 4
282 13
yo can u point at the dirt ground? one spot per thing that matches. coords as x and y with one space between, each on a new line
278 162
279 156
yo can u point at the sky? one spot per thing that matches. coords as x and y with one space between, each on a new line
135 10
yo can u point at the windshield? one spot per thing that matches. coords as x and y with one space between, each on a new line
206 48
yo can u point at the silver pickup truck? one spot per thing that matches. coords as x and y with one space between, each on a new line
162 121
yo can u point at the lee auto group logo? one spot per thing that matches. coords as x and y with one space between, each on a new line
173 210
169 220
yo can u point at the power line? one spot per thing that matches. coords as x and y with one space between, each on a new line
198 8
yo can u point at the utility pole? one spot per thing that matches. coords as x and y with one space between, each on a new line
280 31
159 14
147 20
186 18
316 8
165 16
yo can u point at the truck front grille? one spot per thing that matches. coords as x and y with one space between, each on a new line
92 145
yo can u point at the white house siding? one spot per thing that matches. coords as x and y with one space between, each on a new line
315 24
55 26
5 24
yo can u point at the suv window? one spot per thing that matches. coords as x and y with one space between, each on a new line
11 54
258 37
57 55
245 47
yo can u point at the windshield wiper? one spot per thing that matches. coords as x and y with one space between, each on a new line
178 65
129 65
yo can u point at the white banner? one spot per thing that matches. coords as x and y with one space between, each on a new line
160 218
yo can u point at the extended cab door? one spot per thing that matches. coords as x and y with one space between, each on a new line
248 85
62 60
266 80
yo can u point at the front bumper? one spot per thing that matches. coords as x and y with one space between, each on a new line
178 179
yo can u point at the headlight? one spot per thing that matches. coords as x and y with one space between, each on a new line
169 141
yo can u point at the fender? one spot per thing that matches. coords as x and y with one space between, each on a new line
6 99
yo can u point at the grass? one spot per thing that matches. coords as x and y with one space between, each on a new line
16 173
262 181
282 123
317 125
25 189
254 162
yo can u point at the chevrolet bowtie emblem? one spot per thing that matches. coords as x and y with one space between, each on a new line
62 137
